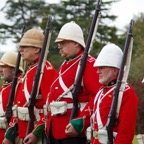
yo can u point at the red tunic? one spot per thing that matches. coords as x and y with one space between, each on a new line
89 88
20 99
5 91
127 115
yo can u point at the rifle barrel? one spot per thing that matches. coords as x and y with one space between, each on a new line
77 84
112 114
38 75
13 86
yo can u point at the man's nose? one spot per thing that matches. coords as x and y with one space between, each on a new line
20 49
59 46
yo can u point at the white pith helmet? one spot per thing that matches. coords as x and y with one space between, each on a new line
1 64
110 55
71 31
32 37
9 58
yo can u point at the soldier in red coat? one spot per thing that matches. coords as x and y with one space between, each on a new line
29 47
108 63
7 64
60 102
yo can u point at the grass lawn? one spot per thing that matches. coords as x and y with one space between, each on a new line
135 141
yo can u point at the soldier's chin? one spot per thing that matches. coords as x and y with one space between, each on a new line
63 55
102 81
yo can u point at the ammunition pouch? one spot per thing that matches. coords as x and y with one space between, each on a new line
89 133
23 113
3 123
2 114
58 107
140 138
101 135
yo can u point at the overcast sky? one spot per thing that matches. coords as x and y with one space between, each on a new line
125 10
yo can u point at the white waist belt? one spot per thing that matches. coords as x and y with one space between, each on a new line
3 123
102 136
2 114
60 107
69 105
23 113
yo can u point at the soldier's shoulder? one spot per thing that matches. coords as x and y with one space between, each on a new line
90 59
48 65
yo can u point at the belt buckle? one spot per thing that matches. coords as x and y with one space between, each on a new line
95 134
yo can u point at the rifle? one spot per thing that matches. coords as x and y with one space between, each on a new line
13 86
77 84
120 85
38 75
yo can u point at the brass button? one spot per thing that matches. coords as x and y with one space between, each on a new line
56 87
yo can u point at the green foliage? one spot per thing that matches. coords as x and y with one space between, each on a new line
137 70
139 89
135 140
18 14
35 13
82 13
54 56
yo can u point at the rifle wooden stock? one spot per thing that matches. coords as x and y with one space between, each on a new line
113 110
13 86
38 75
77 84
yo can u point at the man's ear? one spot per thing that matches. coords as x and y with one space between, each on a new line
37 50
13 71
116 70
77 45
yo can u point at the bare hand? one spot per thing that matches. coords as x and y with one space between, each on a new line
30 139
70 130
6 141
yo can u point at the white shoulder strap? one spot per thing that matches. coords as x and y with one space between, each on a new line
1 105
66 90
98 116
27 95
